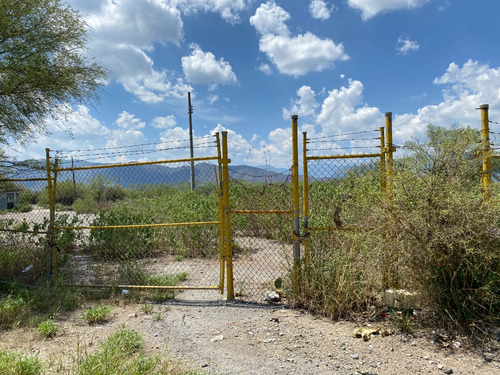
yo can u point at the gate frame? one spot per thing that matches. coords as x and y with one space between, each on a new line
386 171
224 230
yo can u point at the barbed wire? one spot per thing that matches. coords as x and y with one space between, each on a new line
88 150
341 148
101 155
344 134
344 140
494 122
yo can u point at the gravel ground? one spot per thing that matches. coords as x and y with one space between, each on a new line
216 336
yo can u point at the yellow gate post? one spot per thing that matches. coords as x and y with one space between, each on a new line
390 259
390 156
485 138
295 200
220 215
305 199
383 173
227 218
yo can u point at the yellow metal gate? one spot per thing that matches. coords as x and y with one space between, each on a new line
157 233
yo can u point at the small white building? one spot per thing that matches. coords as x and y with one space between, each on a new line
9 199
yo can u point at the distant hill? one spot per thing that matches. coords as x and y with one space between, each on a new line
150 174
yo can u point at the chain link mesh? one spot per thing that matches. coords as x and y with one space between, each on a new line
23 223
128 210
261 225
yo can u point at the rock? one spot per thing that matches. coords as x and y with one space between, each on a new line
217 338
448 371
354 356
496 332
271 296
488 357
402 299
268 340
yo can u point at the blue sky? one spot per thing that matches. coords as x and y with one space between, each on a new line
249 65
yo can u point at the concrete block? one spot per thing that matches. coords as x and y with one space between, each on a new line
402 299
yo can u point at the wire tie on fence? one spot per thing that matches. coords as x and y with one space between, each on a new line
53 244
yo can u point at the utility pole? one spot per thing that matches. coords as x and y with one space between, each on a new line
191 148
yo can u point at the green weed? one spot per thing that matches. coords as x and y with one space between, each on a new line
47 328
97 314
12 309
147 308
12 363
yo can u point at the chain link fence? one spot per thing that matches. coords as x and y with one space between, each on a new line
24 223
161 224
136 224
261 226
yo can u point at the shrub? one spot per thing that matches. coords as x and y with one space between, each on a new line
445 234
121 243
22 259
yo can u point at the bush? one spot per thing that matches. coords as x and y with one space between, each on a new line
446 236
22 258
121 243
181 205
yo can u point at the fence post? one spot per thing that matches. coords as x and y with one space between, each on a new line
305 199
390 156
295 200
383 176
227 218
52 239
485 138
220 215
390 259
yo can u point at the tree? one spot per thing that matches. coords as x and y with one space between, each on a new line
43 66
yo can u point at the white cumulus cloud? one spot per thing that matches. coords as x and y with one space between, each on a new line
319 9
164 122
294 56
265 68
123 33
304 106
466 87
202 68
370 8
127 120
405 46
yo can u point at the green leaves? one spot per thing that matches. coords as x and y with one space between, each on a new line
42 65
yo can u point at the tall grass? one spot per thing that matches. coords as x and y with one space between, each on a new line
437 235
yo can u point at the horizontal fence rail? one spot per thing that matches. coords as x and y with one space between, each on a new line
199 223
